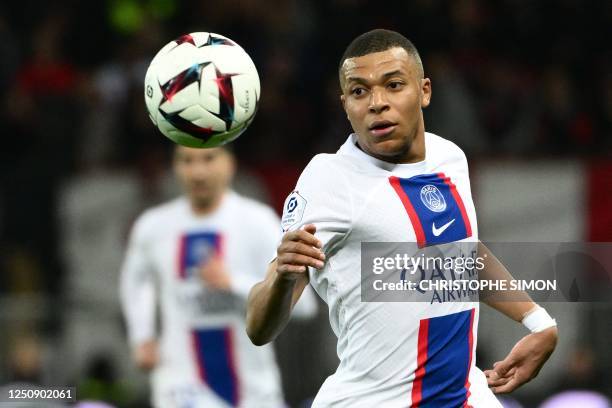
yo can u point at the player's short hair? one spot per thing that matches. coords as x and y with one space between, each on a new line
376 41
228 147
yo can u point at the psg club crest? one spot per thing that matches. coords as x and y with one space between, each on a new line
432 198
195 249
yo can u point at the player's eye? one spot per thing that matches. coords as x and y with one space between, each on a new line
357 91
395 85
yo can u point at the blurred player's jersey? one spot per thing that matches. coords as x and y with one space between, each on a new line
206 358
392 354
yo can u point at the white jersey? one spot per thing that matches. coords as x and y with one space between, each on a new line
206 358
392 354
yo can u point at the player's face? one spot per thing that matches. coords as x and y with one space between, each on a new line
204 173
383 95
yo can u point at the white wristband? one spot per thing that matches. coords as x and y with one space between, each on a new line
538 319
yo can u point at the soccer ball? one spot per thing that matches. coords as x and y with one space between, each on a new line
202 90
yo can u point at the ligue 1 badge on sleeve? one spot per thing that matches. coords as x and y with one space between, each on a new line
293 210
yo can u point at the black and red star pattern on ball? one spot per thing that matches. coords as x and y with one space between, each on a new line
187 38
182 124
182 80
226 100
214 40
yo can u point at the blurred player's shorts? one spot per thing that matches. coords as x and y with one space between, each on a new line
509 402
577 398
93 404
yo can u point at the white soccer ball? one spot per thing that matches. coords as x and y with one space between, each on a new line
202 90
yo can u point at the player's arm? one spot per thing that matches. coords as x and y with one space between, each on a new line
514 304
138 301
270 302
137 294
528 356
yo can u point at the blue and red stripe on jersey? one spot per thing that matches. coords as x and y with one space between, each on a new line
195 249
444 358
215 360
423 219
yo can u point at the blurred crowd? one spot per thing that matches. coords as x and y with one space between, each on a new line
80 157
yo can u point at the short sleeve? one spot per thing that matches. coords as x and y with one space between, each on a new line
321 197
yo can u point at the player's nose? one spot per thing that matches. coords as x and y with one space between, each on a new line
200 170
378 101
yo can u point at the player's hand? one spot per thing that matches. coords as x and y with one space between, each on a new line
523 363
146 355
215 274
298 250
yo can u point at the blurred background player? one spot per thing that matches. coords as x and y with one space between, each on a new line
198 256
393 354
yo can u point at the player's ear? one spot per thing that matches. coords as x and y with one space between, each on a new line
343 100
231 164
425 92
175 156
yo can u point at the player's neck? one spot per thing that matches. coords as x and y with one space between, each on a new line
413 154
201 208
416 153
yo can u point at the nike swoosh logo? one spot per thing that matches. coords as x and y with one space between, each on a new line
438 231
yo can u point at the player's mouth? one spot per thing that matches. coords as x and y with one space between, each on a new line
200 187
382 127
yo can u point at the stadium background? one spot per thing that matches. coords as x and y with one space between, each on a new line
524 87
